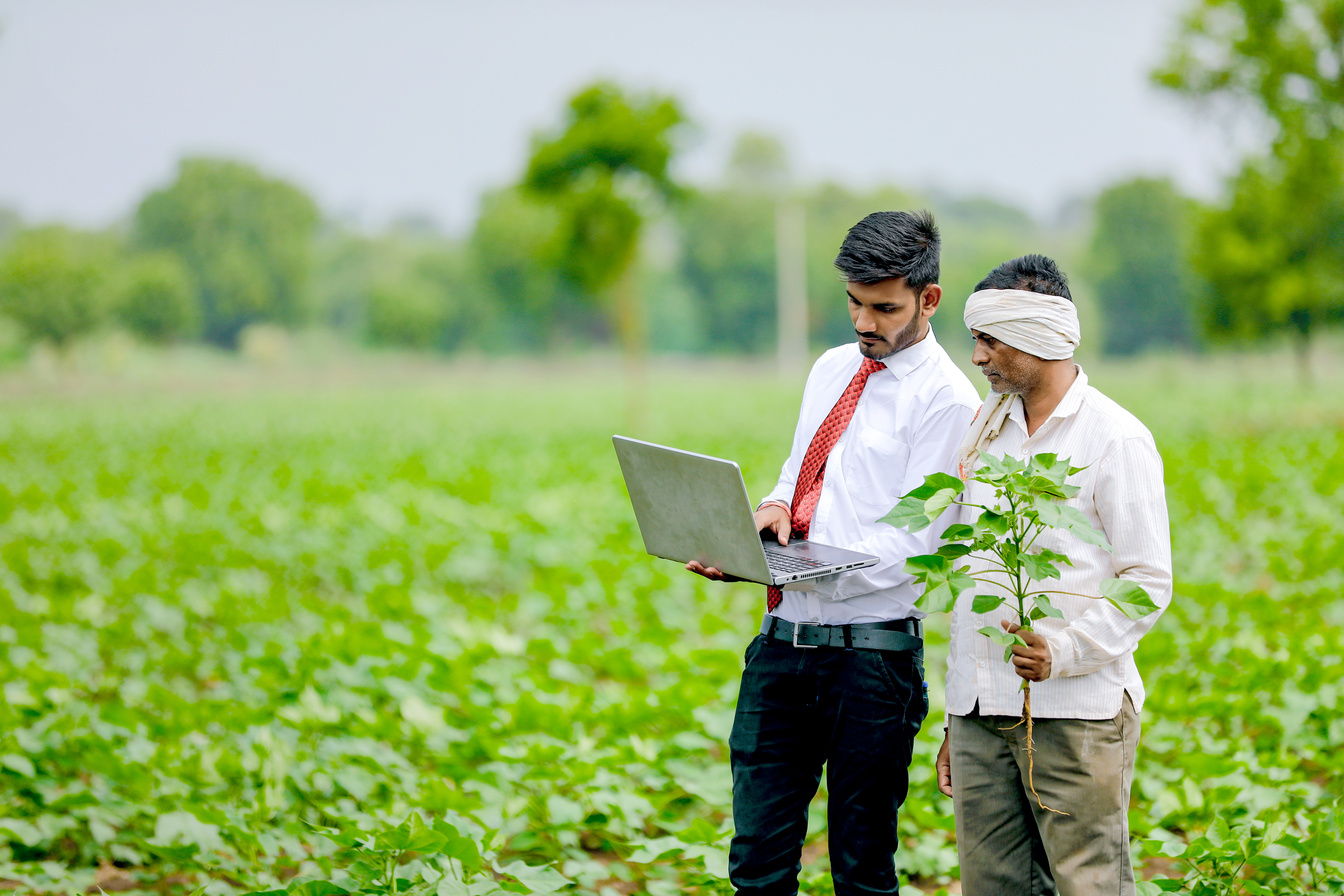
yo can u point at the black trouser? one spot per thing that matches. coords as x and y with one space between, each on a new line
856 711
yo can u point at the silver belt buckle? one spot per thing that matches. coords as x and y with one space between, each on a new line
797 627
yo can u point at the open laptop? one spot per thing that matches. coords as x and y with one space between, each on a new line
695 507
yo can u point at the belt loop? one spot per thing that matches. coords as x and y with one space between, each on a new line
849 638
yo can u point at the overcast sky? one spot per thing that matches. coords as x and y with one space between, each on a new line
383 108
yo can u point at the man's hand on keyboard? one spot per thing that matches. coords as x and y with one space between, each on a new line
775 517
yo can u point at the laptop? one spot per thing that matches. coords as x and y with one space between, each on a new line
695 507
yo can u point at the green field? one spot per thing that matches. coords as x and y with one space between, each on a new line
398 633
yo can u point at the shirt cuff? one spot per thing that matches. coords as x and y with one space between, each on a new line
1063 656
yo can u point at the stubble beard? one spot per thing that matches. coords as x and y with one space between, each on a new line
908 336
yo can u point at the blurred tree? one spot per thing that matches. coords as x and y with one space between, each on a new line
605 169
1138 262
52 281
758 163
1274 256
1282 58
517 254
728 261
153 296
10 224
245 238
447 271
407 312
359 280
1274 251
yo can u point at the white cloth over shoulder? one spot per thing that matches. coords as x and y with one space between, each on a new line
1038 324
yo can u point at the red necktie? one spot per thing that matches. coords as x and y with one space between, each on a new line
807 489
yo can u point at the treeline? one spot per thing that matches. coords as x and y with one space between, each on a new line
225 246
597 244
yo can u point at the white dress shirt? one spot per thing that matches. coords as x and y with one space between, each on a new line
1092 647
908 423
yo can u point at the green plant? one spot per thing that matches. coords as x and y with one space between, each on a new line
1028 499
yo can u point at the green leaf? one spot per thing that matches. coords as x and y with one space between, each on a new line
1042 603
954 551
935 505
958 532
1128 597
909 514
540 879
1038 568
944 482
922 566
1061 516
993 522
993 470
984 603
944 592
300 887
999 636
19 764
20 831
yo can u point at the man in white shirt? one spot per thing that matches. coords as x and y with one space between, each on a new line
1086 691
836 677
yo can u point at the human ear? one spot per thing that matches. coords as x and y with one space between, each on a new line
929 299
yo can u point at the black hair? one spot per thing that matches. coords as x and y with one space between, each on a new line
886 245
1033 273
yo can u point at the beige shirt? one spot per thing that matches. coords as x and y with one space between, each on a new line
1092 647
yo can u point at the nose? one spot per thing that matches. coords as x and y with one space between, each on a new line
862 322
978 355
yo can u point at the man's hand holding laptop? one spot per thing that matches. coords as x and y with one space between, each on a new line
772 516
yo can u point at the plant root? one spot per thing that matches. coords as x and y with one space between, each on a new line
1031 750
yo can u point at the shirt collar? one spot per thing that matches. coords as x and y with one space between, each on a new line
907 359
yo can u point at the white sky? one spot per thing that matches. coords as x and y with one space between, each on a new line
381 108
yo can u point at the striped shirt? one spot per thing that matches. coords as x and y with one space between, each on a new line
1092 647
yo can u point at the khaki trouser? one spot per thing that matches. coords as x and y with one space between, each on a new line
1008 845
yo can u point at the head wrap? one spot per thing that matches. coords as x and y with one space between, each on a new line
1032 322
1038 324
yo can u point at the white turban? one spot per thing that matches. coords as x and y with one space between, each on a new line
1040 325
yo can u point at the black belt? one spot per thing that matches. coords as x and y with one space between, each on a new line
898 634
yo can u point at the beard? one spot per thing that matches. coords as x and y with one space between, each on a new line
904 338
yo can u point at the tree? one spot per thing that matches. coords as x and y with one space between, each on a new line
728 261
1281 58
518 257
604 170
52 281
154 297
1140 246
1273 253
245 238
405 312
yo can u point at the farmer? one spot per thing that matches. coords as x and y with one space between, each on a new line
1086 692
878 415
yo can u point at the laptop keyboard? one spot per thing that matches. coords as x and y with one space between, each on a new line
790 562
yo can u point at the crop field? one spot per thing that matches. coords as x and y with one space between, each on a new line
402 637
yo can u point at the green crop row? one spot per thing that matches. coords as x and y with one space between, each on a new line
405 639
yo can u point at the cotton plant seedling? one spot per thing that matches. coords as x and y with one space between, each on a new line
1028 499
